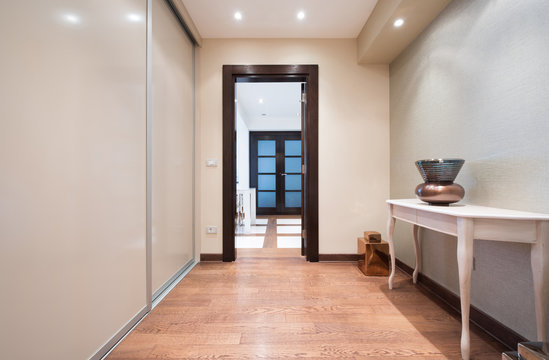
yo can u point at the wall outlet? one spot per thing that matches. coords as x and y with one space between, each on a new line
211 229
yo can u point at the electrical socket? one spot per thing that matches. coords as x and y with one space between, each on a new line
211 229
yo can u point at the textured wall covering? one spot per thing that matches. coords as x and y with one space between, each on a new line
475 85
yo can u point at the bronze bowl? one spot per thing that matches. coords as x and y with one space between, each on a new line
439 176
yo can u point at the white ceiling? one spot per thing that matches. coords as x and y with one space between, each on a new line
280 108
278 18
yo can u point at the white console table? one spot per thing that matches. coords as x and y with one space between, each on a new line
469 222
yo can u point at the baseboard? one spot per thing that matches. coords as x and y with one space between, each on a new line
485 322
211 257
321 257
337 257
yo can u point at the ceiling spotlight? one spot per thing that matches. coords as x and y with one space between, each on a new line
238 15
398 22
261 101
301 15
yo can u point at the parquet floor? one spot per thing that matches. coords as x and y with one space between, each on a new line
271 304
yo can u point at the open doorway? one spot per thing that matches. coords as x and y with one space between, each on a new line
270 184
269 167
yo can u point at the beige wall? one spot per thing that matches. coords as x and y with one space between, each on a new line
353 134
474 85
72 179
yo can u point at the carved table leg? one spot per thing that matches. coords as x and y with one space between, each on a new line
540 273
415 231
465 267
390 230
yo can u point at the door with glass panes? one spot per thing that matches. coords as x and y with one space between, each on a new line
275 171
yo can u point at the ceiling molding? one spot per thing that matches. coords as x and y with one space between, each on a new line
380 42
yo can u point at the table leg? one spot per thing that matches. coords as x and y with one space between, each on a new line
390 230
539 258
415 231
465 267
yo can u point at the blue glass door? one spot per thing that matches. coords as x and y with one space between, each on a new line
275 171
292 174
266 173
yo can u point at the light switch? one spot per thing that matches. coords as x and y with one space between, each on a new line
211 163
211 229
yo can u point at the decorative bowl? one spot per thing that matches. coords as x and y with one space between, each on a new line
439 176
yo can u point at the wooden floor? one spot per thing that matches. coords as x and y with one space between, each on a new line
271 304
270 235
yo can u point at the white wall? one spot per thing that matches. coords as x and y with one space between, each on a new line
353 134
242 152
474 85
275 124
270 106
72 179
172 145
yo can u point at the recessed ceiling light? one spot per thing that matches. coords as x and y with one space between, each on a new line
238 15
263 114
398 22
261 101
301 15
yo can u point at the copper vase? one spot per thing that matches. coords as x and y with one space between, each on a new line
439 187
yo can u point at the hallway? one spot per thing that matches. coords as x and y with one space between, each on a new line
271 231
271 304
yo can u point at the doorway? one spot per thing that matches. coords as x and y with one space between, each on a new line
300 189
275 171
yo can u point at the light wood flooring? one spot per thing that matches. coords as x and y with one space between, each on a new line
270 231
271 304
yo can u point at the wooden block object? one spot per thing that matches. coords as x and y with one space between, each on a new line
373 257
372 236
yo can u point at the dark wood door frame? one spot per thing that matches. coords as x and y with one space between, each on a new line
264 73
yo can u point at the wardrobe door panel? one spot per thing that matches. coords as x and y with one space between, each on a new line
172 145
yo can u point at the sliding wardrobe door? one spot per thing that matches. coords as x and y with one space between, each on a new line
72 178
172 146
